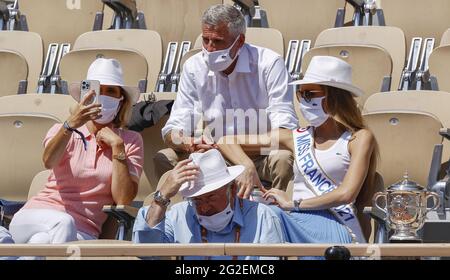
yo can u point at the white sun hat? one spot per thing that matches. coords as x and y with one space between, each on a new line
214 174
107 71
330 71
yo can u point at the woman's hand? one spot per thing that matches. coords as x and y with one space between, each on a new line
82 113
182 173
281 198
247 181
107 137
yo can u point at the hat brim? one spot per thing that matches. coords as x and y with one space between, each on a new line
131 92
355 91
188 192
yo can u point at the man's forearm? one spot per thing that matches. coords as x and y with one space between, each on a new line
155 214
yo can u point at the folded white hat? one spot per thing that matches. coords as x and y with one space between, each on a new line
214 174
107 71
330 71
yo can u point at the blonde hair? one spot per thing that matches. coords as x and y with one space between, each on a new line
123 116
344 109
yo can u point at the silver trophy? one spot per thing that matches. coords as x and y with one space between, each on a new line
406 209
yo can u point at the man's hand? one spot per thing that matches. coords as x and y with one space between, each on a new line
202 145
247 181
82 113
182 172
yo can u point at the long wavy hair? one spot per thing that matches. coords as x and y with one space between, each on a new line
344 109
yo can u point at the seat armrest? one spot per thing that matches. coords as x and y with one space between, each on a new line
445 132
123 213
375 213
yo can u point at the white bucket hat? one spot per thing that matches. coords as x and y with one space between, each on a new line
109 72
214 174
330 71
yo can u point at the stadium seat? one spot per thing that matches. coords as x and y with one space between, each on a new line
13 70
153 142
370 65
417 18
445 39
301 19
60 21
264 37
29 45
75 64
406 140
175 20
391 39
146 42
431 102
439 66
24 122
109 228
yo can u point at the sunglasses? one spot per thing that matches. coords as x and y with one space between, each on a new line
307 95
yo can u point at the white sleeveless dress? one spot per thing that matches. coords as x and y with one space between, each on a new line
318 226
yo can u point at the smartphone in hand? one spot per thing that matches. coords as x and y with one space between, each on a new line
86 87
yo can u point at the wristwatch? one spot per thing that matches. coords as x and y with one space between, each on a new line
120 156
297 205
161 200
67 127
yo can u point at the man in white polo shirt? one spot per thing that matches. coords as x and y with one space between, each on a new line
231 88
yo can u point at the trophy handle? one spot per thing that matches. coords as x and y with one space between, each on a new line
436 200
375 198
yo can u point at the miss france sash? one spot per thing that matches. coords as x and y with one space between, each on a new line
319 183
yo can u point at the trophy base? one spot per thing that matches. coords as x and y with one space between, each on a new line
405 241
404 238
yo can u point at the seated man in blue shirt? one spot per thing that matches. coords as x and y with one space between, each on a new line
213 212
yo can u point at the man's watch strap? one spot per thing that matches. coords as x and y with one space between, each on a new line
160 199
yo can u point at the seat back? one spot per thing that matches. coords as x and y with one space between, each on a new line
432 102
417 18
263 37
29 45
438 65
153 142
38 182
24 122
75 64
401 148
13 69
301 19
389 38
188 55
60 21
175 20
146 42
370 64
445 39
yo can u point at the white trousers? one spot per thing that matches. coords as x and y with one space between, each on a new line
45 226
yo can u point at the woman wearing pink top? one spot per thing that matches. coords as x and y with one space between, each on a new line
94 162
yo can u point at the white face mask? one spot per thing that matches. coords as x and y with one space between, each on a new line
313 112
220 60
110 108
217 222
